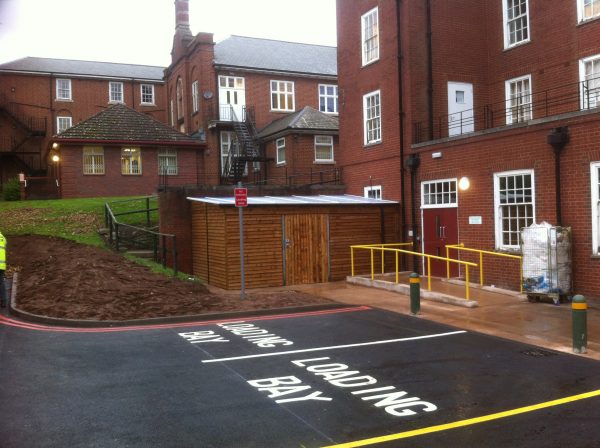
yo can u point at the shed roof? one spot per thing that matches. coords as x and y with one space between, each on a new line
345 199
307 119
276 55
122 124
68 67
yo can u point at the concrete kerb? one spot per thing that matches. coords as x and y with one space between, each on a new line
405 290
80 323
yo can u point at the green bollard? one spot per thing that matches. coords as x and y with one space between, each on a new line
415 293
579 308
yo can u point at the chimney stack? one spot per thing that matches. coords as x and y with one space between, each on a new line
182 14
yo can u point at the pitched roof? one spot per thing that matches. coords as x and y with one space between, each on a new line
307 119
119 123
84 68
274 55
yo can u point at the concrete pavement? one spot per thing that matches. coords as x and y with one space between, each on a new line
500 313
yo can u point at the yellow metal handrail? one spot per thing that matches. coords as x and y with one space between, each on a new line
383 249
461 246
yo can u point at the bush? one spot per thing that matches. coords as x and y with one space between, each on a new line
11 190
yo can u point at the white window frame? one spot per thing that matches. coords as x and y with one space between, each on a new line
523 104
372 117
280 148
594 4
61 89
112 95
324 96
498 208
594 97
282 92
61 123
507 24
595 186
195 97
129 155
373 192
439 193
151 94
324 141
93 160
369 42
167 157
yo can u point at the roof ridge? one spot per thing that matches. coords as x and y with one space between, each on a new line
279 40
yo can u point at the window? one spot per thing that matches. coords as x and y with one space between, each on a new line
518 100
172 110
323 148
229 144
372 118
93 160
63 89
179 99
282 95
514 206
147 93
195 97
588 9
167 161
131 161
370 36
280 145
373 192
516 22
439 193
328 98
595 167
115 92
589 74
63 123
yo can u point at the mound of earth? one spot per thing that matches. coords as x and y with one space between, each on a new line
60 278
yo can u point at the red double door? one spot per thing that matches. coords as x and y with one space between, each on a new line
440 228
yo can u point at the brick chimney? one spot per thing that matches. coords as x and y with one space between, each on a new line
183 34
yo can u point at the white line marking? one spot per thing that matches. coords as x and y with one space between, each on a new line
333 347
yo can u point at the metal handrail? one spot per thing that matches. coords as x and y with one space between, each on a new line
461 246
544 103
383 249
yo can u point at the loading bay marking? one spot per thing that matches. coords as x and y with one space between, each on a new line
334 347
467 422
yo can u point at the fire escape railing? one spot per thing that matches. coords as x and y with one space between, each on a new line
573 97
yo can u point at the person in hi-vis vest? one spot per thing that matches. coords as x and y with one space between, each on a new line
3 295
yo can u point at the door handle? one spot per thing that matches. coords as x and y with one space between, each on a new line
287 243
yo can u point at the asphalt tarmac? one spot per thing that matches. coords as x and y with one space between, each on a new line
353 377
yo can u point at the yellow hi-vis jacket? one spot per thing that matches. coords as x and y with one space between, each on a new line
2 253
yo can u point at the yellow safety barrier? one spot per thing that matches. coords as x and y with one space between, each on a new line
390 248
461 246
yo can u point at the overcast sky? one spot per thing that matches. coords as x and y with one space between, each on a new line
141 31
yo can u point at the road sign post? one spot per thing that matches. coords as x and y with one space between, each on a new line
241 200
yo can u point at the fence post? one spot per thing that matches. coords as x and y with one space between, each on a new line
116 236
174 256
579 310
415 293
164 251
147 211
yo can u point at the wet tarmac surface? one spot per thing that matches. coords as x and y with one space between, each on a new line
349 378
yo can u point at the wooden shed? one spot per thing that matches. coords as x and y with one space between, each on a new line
288 240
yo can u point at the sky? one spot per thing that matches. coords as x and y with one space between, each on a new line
141 31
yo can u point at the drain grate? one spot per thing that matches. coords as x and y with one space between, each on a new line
538 353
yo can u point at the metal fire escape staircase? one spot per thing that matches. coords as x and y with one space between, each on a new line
246 147
30 127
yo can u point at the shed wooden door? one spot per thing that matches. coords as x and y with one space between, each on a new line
305 249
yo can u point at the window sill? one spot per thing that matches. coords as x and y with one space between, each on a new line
94 174
131 174
148 104
368 145
283 111
278 164
509 250
517 45
586 21
324 162
64 100
116 102
367 64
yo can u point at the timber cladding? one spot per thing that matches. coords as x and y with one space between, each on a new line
286 245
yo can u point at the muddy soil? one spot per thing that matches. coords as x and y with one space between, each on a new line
60 278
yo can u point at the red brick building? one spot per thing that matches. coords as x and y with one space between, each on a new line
41 97
227 92
503 93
